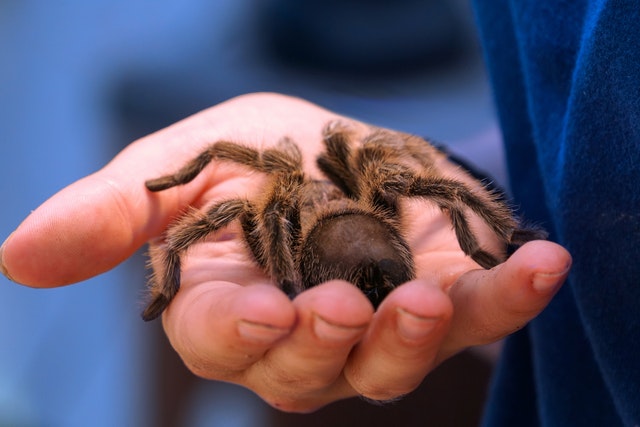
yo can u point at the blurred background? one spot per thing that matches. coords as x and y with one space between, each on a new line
79 80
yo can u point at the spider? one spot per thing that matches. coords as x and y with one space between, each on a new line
305 231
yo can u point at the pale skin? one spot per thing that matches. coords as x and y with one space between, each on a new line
228 322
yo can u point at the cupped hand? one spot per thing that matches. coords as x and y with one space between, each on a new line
228 322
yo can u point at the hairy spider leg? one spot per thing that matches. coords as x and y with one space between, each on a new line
452 196
490 206
274 232
222 150
337 160
496 214
193 227
285 157
387 180
196 225
279 229
405 144
382 179
523 235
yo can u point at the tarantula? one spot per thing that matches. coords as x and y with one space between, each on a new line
304 231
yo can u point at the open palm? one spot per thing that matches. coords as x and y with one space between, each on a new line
228 322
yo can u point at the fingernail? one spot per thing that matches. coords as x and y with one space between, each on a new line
413 327
545 283
261 332
330 331
3 268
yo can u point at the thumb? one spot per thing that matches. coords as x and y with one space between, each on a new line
490 304
97 222
82 231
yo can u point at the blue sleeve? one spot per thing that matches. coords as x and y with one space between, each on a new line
566 78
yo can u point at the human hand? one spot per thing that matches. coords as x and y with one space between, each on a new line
326 344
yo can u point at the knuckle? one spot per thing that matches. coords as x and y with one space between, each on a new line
384 393
290 404
290 391
373 389
210 371
287 380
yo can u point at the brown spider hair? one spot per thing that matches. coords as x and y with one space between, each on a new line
305 231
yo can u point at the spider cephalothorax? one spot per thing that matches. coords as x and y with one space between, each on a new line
303 231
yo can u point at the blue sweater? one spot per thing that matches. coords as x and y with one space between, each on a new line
566 76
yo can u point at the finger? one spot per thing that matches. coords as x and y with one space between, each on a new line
97 222
220 329
402 342
332 317
490 304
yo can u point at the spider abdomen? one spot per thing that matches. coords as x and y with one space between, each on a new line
358 247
